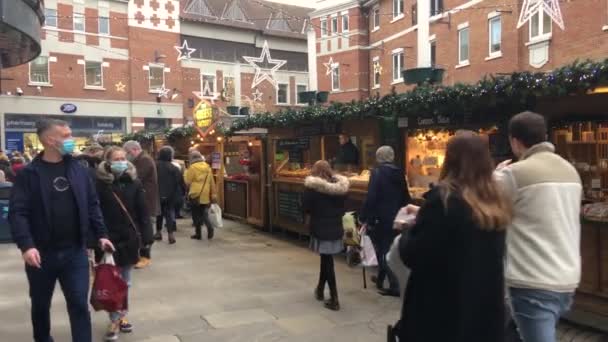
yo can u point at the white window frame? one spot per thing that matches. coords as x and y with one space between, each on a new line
376 18
335 68
150 66
214 90
398 9
87 86
345 20
47 15
298 93
279 84
541 35
493 17
375 85
334 24
324 27
84 22
398 55
99 25
48 72
462 28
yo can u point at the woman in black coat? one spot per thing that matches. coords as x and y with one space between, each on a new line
324 202
455 252
117 186
170 180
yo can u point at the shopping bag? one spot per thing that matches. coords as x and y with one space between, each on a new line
109 291
368 254
215 216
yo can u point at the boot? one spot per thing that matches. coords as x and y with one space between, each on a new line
332 303
171 238
319 295
197 235
158 236
210 232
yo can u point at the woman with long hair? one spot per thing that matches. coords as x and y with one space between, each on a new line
324 203
455 251
122 202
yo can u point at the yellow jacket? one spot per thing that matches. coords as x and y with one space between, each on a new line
199 177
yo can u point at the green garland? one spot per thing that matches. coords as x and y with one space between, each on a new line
504 95
139 136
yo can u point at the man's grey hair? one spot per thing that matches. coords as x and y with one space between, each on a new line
131 145
44 125
196 156
385 154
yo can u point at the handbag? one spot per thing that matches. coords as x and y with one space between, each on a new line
109 291
133 225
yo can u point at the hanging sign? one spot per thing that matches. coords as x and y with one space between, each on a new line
203 114
68 108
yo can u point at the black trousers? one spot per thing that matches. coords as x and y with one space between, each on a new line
200 217
382 245
327 275
167 211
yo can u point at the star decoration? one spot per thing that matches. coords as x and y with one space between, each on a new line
257 95
184 51
259 62
120 87
530 8
163 92
330 65
377 68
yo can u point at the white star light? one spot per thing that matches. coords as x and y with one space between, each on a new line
184 51
531 7
330 65
261 75
257 95
163 92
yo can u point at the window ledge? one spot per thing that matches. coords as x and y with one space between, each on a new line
35 84
335 91
494 56
376 87
397 18
538 40
397 81
605 28
94 88
463 65
376 29
283 104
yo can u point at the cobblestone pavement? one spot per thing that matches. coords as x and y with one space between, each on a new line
244 285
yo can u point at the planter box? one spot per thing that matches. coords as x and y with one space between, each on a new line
421 75
306 96
233 110
322 96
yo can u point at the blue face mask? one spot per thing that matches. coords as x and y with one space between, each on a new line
118 167
67 147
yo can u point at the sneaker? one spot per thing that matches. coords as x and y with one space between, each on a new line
125 326
112 333
143 263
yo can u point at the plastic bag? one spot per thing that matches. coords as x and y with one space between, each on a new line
215 216
109 291
368 253
404 219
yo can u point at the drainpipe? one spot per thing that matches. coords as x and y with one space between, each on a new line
424 46
312 59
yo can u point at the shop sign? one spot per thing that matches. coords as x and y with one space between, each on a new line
216 160
293 144
403 122
203 114
14 141
68 108
27 123
438 120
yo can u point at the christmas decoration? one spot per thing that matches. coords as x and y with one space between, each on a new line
377 68
330 65
259 62
120 87
257 95
184 51
530 8
163 92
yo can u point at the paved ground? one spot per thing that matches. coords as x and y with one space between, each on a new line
243 286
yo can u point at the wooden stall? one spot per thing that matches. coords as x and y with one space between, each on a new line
291 153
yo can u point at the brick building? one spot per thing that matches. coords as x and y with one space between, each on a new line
468 38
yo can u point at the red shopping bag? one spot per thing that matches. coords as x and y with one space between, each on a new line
109 291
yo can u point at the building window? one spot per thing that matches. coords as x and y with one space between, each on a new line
495 30
397 8
376 70
540 25
104 26
79 22
414 14
433 53
208 86
345 23
229 88
463 46
301 88
323 27
283 93
156 76
93 74
50 17
335 78
436 7
398 59
39 70
334 25
376 19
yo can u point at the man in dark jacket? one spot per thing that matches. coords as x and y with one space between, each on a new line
386 194
53 207
146 171
348 154
170 180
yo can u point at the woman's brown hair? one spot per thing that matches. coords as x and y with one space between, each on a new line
468 169
323 170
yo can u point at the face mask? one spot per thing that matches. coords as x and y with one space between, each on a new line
118 167
67 147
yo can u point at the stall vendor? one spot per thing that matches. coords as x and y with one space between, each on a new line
348 153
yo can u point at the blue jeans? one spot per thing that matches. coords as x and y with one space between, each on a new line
125 273
71 267
168 213
537 312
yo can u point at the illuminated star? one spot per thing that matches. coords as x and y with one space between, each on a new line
120 87
531 7
377 68
163 92
257 95
184 51
259 62
330 65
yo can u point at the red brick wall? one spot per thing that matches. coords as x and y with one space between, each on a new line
92 25
64 22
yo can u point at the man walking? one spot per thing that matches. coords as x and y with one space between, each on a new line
543 266
146 172
53 207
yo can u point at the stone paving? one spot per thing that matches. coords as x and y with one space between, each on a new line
245 285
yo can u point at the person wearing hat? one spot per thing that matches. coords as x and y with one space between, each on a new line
203 192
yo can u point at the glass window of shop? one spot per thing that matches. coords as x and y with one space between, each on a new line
39 70
156 77
93 74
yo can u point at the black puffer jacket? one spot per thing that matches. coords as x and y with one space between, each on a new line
324 202
122 234
169 177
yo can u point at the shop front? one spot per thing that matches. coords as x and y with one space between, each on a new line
20 131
